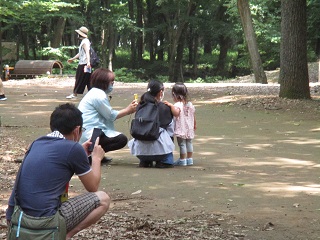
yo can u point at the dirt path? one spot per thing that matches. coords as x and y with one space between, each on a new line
256 172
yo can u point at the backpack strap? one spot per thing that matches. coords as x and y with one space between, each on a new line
18 175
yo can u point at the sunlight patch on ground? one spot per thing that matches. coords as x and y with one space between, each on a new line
314 188
233 122
44 113
207 153
287 132
205 140
301 141
224 99
259 146
218 176
315 130
296 162
286 190
36 101
279 162
190 181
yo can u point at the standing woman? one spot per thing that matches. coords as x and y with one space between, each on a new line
84 68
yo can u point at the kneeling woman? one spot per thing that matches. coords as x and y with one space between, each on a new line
98 113
160 150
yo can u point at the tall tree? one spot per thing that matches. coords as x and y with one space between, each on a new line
140 31
294 79
133 55
58 32
176 15
150 33
250 36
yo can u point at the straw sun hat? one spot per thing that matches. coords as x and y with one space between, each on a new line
83 31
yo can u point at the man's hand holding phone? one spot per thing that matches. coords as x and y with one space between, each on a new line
98 152
95 134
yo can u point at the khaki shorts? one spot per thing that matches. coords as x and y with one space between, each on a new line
76 209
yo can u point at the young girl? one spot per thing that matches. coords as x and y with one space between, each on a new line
185 123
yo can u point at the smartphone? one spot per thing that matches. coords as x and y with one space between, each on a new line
96 133
87 70
135 96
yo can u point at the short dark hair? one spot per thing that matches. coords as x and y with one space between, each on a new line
101 78
65 118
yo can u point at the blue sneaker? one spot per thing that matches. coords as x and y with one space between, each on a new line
181 162
189 161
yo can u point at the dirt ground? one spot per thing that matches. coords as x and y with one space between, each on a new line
256 172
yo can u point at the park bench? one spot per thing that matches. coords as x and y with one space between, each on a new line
33 68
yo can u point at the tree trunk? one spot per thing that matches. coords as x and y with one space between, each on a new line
150 33
140 31
318 48
58 32
24 38
294 78
224 43
195 57
1 46
111 47
174 35
250 36
178 71
133 55
318 54
70 39
160 48
105 33
191 42
207 48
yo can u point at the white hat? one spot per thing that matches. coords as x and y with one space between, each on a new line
83 31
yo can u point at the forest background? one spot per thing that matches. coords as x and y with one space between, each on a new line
172 40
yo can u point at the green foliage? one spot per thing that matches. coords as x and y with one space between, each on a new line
62 54
128 75
212 79
30 12
122 58
212 21
162 78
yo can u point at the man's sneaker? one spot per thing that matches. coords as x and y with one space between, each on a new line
181 162
3 97
71 96
189 161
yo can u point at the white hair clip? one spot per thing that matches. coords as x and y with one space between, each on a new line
149 90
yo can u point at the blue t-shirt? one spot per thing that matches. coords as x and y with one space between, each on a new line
46 170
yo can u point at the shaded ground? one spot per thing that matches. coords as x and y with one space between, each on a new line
256 172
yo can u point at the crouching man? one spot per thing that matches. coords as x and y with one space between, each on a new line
45 172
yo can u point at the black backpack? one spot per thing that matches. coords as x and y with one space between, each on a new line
94 59
145 126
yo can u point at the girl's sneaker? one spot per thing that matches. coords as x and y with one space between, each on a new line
181 162
189 161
